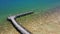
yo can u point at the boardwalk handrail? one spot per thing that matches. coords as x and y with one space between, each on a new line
19 27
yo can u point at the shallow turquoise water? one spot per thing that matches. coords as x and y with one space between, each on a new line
9 7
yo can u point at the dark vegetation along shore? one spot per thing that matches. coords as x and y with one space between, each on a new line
47 22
